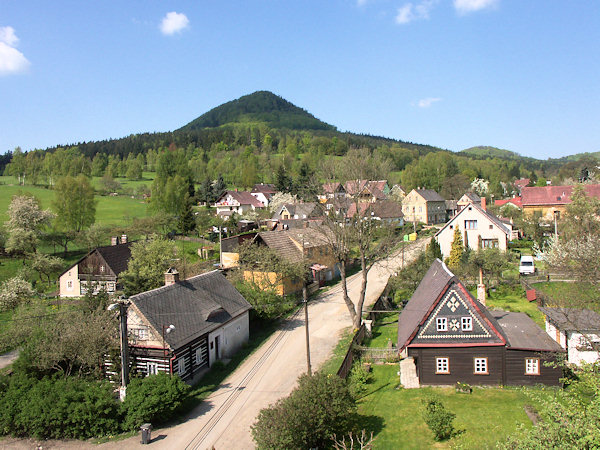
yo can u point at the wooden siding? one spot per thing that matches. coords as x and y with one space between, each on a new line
461 363
515 368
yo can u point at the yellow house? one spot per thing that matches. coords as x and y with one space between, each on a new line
295 245
551 201
424 205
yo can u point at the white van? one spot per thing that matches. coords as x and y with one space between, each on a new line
526 266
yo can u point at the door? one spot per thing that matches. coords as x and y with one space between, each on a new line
217 345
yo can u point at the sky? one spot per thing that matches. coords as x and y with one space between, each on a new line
518 75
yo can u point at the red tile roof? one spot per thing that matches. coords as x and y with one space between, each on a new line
517 201
554 195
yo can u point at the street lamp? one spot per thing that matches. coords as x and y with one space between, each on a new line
122 305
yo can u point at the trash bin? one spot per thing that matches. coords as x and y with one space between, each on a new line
146 429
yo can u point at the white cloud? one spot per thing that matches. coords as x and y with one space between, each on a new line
427 102
467 6
409 12
174 23
11 59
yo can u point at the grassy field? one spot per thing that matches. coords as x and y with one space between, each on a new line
386 329
484 417
512 298
568 294
116 211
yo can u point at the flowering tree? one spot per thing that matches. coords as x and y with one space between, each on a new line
480 186
13 292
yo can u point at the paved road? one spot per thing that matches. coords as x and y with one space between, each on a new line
224 419
8 358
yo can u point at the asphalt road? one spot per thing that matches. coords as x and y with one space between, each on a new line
224 419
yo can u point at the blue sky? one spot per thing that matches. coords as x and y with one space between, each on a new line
519 75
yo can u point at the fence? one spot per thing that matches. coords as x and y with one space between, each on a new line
378 355
357 339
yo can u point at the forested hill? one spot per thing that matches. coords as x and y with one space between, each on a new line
490 152
259 107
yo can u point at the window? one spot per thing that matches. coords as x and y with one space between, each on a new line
532 366
489 243
102 268
480 366
110 287
181 366
140 333
442 365
199 357
491 227
470 224
420 209
151 368
466 323
441 324
69 285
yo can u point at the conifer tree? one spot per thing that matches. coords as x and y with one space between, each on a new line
456 250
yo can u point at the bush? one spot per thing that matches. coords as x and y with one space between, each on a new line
438 419
318 408
358 379
152 399
57 408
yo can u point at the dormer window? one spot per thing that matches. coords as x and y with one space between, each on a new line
441 324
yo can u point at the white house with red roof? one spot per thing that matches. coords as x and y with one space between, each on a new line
239 202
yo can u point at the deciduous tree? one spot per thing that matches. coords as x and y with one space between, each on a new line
74 203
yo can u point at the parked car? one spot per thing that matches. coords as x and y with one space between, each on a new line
526 266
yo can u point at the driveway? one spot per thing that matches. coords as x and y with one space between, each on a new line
224 419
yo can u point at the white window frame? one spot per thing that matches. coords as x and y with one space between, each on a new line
480 365
151 368
466 323
198 358
441 324
472 224
532 366
69 285
442 365
181 366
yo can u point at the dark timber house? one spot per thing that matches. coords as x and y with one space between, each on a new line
452 337
185 326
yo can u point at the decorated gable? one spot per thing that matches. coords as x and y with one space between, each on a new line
456 320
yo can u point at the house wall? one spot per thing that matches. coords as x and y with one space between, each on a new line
232 336
556 334
515 368
546 211
74 288
414 208
230 259
268 280
579 349
461 365
446 235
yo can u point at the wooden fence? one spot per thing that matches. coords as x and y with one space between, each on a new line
357 339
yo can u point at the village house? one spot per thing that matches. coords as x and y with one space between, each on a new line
576 330
425 206
520 184
298 211
384 211
367 191
513 202
332 190
479 229
466 199
236 202
98 270
263 192
295 245
184 327
447 336
550 202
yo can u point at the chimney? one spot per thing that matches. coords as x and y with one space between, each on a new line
481 289
483 203
114 240
123 239
171 276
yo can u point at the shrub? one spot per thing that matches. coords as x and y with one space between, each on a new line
318 408
57 408
438 419
152 399
358 379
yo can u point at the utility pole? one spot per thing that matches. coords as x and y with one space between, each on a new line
123 304
305 300
220 249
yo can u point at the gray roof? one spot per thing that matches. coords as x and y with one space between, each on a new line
301 209
195 306
523 333
573 319
433 284
430 195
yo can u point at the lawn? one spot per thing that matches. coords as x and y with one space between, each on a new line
384 330
512 298
109 211
565 293
333 364
484 417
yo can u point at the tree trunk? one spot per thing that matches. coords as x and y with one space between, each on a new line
349 303
363 291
